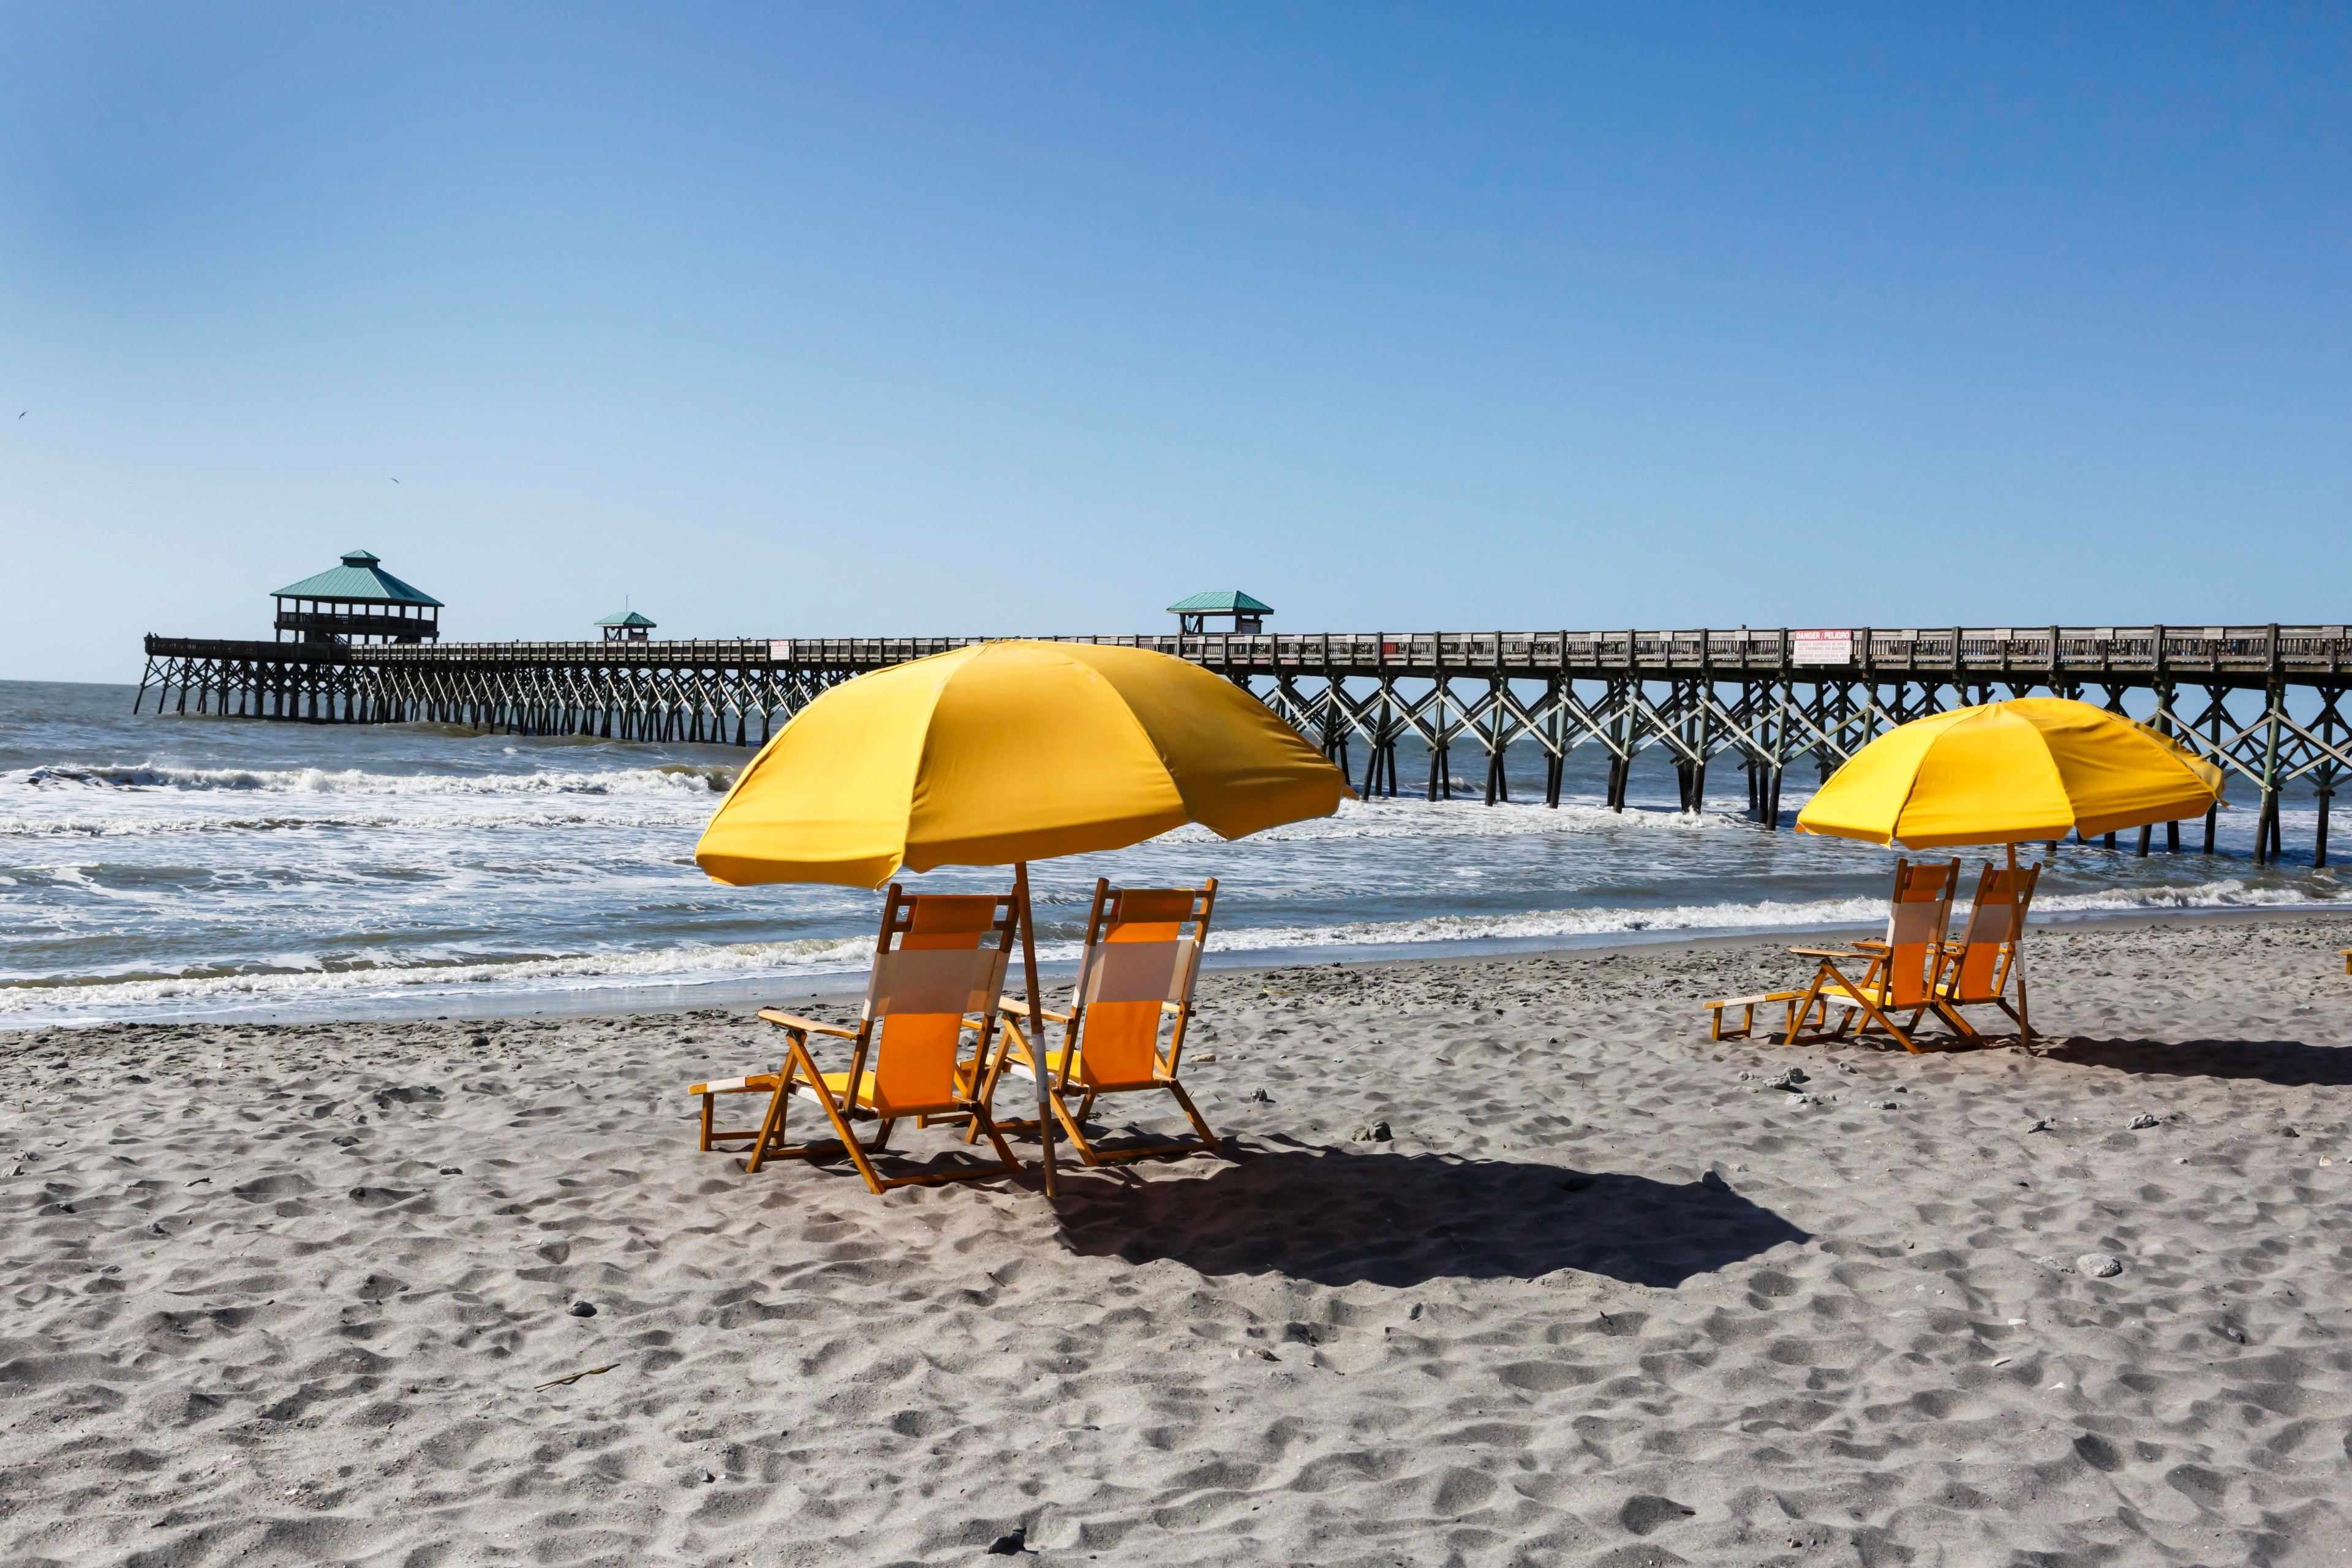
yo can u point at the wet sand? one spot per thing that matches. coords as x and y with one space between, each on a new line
1603 1295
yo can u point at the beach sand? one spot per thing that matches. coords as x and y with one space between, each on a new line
283 1295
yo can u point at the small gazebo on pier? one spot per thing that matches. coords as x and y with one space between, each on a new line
626 627
1192 614
358 602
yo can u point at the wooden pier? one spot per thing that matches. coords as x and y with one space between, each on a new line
2266 702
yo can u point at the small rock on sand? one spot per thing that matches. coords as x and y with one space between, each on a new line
2143 1122
582 1310
2099 1265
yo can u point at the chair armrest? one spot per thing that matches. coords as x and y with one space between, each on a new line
806 1025
1020 1009
1829 953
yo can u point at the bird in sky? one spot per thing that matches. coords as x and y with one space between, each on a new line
393 481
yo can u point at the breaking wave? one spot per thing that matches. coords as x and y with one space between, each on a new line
674 779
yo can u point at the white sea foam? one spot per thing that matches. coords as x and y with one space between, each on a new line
1473 819
678 965
561 811
672 780
848 958
1765 914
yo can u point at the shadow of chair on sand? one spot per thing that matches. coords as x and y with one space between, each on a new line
1336 1218
2289 1063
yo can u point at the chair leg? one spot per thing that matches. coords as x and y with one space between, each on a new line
985 1123
1803 1008
1950 1013
995 1071
834 1113
1193 1114
1888 1024
772 1126
705 1121
1074 1127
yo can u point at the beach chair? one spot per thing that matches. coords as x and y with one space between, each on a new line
1898 974
1135 975
2348 961
935 977
1982 968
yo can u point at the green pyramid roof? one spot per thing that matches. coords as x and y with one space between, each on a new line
1226 601
629 619
360 580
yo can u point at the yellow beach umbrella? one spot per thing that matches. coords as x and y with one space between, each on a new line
2008 773
1006 753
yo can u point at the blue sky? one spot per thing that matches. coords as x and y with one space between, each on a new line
900 319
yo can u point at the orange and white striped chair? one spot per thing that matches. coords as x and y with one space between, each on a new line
1984 968
935 978
1899 974
1135 977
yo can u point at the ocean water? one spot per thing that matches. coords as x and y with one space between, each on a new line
161 868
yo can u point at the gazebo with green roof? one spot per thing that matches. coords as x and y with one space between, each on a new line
1192 614
358 601
626 627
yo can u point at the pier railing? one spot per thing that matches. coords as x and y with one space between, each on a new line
2265 702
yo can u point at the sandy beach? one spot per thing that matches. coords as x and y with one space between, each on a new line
1602 1296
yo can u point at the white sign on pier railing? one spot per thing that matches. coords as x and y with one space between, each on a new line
1821 647
781 650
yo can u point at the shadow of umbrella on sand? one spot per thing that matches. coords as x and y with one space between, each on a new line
2292 1064
1400 1220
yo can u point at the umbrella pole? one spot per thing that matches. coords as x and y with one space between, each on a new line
1037 1056
2017 961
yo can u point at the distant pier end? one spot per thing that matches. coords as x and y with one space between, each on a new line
357 602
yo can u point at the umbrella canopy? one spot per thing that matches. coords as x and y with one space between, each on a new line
2006 773
1009 752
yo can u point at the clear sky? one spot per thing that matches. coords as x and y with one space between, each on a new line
923 318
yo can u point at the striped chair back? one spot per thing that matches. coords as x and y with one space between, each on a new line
1138 958
932 967
1989 941
1916 924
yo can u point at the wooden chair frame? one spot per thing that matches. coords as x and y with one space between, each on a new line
857 1095
1953 987
1068 1066
1923 893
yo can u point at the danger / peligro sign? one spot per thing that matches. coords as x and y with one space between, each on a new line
1821 647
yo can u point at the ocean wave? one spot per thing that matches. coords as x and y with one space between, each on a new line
848 958
681 965
649 812
1761 915
688 780
1472 819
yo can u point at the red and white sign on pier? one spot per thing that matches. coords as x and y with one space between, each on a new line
1821 647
